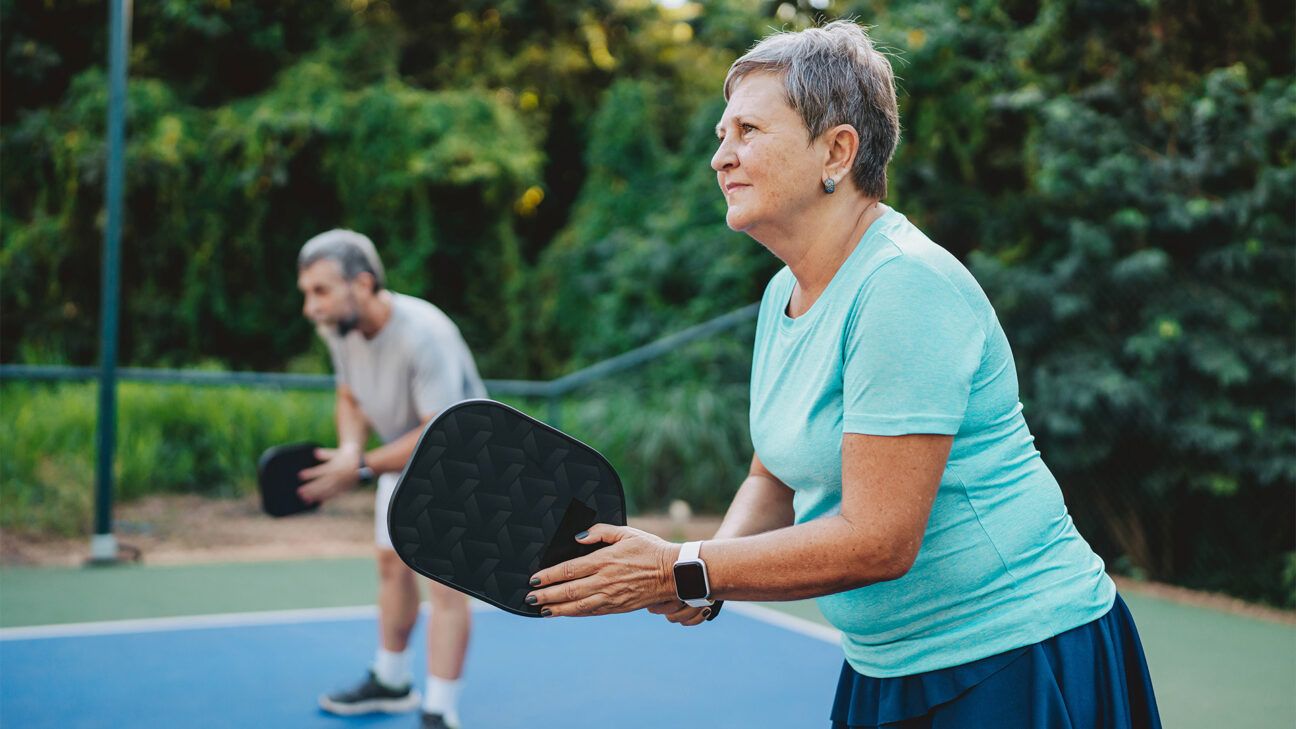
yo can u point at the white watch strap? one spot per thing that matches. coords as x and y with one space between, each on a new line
689 552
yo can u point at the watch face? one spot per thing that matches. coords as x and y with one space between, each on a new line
690 581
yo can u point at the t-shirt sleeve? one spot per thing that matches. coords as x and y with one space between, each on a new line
912 347
437 380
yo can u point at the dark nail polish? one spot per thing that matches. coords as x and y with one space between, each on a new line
546 612
532 599
706 612
582 535
535 581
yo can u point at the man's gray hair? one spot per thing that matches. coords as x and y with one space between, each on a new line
354 253
833 75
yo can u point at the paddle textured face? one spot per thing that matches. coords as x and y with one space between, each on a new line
491 496
277 471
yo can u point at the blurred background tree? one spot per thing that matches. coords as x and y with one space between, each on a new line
1119 176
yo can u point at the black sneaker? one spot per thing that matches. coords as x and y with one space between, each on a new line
371 697
435 721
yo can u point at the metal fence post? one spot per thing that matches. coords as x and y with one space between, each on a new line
555 410
103 544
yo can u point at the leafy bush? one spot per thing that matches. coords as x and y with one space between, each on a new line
687 442
170 438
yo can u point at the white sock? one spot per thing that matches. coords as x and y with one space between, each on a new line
442 697
392 668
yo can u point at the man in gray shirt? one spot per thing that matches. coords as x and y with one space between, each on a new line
399 361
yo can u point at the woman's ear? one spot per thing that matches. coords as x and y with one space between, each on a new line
842 144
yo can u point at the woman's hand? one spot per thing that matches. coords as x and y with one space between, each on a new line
681 614
634 571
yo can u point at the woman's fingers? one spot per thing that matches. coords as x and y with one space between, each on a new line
587 565
580 597
679 613
697 619
572 569
606 533
688 616
632 572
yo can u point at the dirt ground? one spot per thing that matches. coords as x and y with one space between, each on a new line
193 529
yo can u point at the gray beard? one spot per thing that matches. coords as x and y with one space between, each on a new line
347 324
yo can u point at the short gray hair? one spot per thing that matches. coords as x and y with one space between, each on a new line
833 75
354 253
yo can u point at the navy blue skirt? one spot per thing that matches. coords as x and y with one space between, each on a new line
1089 677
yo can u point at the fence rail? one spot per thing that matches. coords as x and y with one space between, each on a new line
550 390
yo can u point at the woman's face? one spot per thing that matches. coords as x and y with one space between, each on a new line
768 170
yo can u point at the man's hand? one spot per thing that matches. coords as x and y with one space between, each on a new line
339 471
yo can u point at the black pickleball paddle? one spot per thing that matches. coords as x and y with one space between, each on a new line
491 496
277 478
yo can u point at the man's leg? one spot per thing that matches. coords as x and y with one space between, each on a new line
448 631
398 596
398 605
388 686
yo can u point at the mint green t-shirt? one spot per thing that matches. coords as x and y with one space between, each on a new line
902 341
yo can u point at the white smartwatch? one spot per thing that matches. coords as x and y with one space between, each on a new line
692 586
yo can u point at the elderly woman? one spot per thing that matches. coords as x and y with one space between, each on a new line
894 477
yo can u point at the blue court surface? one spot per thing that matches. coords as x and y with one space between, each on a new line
751 667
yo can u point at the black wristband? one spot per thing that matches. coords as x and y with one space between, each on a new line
365 473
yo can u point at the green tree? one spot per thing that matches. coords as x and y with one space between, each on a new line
1119 176
220 199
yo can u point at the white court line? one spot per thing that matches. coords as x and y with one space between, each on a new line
200 622
187 622
783 620
763 614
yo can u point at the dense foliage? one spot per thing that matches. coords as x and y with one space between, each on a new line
1118 175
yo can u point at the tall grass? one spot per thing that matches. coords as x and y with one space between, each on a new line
170 438
667 441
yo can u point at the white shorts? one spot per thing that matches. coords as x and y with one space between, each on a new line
382 499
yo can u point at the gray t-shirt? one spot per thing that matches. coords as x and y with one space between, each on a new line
415 366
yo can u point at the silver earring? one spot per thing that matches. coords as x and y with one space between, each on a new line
830 185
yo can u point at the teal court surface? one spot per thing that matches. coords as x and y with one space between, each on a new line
253 644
